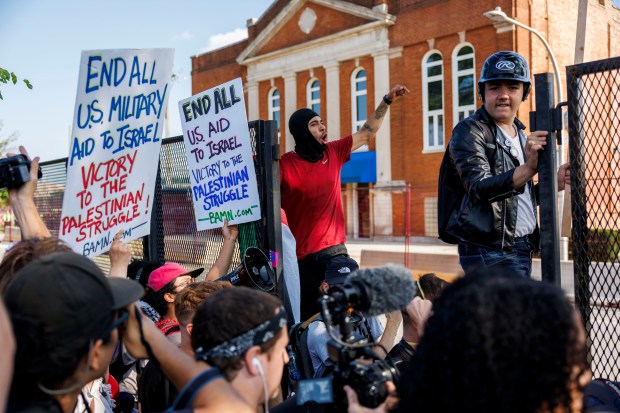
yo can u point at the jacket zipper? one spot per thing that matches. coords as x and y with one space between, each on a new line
503 204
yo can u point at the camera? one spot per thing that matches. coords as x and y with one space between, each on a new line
369 382
358 366
15 171
367 292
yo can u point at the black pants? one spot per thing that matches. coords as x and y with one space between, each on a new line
311 275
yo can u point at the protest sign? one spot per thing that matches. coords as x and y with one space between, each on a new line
117 126
219 156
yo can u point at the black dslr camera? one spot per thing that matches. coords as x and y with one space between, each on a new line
356 364
15 171
369 377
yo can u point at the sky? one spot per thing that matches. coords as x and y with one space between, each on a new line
42 41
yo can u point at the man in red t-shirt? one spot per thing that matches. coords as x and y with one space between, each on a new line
310 188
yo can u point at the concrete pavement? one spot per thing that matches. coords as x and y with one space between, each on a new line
431 255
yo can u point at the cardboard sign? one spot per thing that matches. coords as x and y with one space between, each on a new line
219 157
118 122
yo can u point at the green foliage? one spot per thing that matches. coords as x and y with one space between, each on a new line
603 245
4 198
6 77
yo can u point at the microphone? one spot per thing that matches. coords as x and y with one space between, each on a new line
376 290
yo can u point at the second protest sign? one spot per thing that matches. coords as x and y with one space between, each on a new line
219 156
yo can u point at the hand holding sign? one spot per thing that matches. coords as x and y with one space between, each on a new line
118 121
219 156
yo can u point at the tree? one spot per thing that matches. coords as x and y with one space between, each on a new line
6 77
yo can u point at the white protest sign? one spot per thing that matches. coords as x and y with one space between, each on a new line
219 156
118 122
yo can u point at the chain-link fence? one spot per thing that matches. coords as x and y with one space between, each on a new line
594 130
174 236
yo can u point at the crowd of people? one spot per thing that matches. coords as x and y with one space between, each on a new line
152 337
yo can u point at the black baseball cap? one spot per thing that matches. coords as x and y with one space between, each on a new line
69 297
339 268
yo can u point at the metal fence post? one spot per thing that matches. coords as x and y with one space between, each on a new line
542 120
579 206
153 244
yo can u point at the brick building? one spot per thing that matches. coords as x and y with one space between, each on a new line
340 58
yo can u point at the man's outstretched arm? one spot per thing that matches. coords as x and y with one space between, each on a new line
373 123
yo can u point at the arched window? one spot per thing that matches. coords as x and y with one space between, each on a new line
358 98
463 81
313 95
274 106
432 97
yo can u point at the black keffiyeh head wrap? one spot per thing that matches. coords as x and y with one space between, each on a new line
239 345
305 144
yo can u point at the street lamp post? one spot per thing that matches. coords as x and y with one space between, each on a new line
499 16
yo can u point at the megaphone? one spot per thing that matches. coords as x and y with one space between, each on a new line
254 271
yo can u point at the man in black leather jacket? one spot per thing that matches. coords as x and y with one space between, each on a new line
496 222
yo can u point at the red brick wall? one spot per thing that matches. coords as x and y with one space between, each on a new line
328 22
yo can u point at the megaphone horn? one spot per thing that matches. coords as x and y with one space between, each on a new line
254 271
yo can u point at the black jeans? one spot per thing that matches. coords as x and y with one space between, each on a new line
312 274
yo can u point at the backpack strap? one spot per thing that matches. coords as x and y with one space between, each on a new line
306 323
187 394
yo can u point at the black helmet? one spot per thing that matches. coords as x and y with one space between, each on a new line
505 65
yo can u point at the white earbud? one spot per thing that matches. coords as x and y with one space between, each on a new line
256 363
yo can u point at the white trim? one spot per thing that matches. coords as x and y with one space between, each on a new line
425 102
383 138
355 10
346 45
356 124
468 109
290 106
295 5
396 52
436 150
309 90
270 106
332 97
253 101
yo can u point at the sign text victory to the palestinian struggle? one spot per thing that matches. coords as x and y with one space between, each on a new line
219 157
112 166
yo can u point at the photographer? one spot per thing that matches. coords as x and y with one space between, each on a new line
361 380
369 329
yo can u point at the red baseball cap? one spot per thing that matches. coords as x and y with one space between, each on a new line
168 272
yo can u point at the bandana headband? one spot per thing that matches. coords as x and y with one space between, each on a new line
242 343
